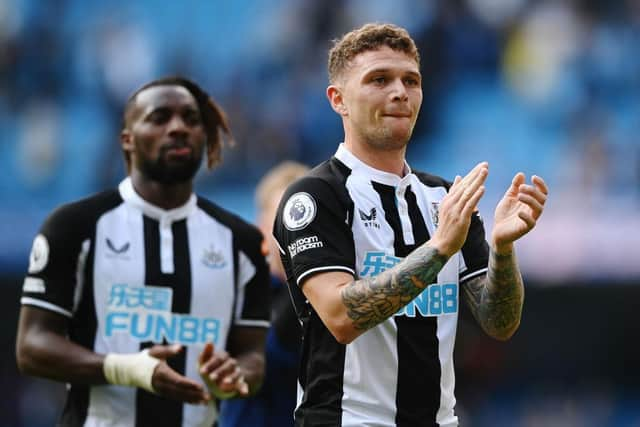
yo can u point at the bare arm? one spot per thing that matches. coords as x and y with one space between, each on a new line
247 346
42 349
496 299
372 300
348 308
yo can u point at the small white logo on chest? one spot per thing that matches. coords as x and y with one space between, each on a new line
213 259
435 213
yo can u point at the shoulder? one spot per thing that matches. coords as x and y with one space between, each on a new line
238 226
84 211
323 183
432 180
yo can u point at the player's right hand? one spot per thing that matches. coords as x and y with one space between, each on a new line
168 383
222 373
454 217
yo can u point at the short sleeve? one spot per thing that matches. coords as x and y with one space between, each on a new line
56 255
312 228
475 251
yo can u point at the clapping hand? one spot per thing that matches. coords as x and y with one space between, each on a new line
518 211
169 383
222 374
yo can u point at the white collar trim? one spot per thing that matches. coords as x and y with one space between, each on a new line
355 164
129 195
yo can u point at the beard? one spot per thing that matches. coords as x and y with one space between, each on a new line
168 173
387 139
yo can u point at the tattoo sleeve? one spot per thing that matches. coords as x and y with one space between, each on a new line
496 299
370 301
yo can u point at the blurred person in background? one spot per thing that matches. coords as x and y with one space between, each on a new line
376 254
149 301
274 404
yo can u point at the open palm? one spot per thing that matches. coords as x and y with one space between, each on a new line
519 209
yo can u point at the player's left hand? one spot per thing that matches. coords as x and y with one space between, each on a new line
222 374
518 211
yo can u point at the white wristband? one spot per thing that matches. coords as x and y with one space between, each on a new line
135 370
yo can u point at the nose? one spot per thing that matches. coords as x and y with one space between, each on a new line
177 126
399 91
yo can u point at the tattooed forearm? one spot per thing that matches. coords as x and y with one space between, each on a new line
496 300
369 301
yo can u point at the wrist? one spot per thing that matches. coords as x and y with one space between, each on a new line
133 370
442 248
501 248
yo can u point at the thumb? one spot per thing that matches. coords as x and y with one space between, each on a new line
206 353
516 182
243 387
165 351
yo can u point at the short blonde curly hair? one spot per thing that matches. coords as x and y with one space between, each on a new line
368 37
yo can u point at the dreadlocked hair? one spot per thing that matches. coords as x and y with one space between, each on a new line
214 119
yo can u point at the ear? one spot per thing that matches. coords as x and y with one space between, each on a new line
336 100
126 140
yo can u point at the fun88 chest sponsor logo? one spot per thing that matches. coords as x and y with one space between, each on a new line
437 299
144 312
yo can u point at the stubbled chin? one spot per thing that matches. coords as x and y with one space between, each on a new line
390 139
399 132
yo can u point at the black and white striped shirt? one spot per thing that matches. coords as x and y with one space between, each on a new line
347 216
127 274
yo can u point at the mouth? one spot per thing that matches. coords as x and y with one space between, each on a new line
398 115
178 149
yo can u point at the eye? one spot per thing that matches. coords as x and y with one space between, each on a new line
159 116
412 81
192 118
379 80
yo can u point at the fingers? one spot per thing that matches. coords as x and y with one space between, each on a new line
472 203
219 368
527 218
222 372
465 188
533 203
169 383
227 372
534 196
234 380
165 351
206 353
242 386
540 184
516 182
456 210
462 181
473 191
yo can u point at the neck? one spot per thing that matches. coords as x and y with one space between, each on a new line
391 160
165 196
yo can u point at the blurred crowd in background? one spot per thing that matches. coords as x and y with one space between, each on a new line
546 87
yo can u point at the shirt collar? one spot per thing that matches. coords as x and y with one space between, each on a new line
130 196
356 165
